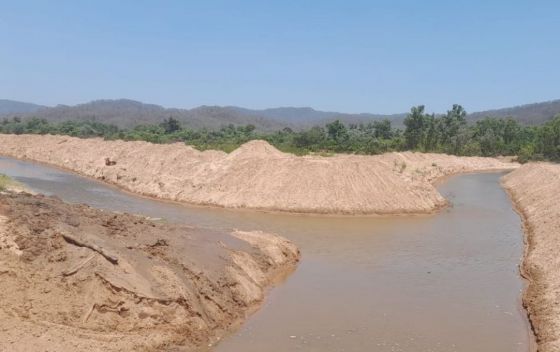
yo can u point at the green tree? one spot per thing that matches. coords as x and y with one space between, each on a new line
337 131
431 139
170 125
414 127
313 137
453 129
383 129
549 139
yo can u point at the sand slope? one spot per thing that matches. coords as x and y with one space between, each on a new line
256 175
535 189
73 278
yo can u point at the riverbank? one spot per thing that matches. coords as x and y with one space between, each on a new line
431 261
77 278
534 189
9 184
256 175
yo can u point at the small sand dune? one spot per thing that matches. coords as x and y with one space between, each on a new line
256 175
535 190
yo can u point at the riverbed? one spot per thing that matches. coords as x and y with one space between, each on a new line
445 282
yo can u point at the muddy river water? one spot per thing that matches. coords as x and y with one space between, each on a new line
447 282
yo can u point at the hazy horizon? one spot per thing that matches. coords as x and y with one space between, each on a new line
360 57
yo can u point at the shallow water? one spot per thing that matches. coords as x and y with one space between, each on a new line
447 282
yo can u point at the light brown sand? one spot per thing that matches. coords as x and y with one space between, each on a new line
172 288
257 175
535 188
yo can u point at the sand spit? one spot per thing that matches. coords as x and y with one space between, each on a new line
73 278
256 175
534 189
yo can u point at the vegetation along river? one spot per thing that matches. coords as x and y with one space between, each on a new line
445 282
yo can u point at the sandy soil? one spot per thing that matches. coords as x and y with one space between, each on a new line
73 278
534 189
257 175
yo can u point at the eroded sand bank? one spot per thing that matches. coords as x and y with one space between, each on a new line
257 175
73 278
535 190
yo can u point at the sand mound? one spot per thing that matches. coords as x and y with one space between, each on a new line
256 149
256 175
76 278
534 188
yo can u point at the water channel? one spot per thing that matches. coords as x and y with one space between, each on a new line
445 282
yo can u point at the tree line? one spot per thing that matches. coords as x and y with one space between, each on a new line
448 133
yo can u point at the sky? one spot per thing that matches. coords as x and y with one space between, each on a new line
335 55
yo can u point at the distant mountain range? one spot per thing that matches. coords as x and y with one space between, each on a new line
127 113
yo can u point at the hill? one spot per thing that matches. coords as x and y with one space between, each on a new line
128 113
17 107
308 117
530 114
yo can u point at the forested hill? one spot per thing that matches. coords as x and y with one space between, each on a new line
530 114
129 113
8 107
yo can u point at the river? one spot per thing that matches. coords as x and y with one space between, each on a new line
445 282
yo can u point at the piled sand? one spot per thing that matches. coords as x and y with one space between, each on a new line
73 278
535 189
256 175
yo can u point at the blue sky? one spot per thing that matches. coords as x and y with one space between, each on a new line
351 56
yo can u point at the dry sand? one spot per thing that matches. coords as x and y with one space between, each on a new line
535 190
73 278
257 175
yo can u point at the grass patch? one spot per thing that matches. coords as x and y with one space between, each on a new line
7 182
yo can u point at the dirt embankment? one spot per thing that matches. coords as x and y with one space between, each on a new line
534 189
73 278
256 175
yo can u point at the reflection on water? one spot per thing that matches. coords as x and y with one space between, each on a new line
447 282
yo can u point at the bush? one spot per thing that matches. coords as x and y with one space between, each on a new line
526 153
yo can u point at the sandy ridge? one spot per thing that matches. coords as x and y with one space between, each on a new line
256 175
535 188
